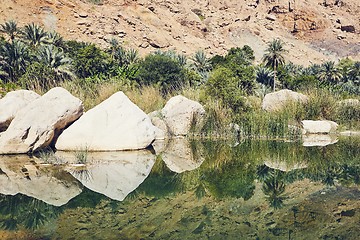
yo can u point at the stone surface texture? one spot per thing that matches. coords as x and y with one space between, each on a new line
35 126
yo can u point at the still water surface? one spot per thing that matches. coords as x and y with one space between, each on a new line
191 190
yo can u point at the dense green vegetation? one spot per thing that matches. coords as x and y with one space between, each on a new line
231 87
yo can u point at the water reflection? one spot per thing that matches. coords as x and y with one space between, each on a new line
21 174
114 174
256 189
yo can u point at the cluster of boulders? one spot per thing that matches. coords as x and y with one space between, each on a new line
32 122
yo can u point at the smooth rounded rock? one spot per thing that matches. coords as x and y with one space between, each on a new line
115 124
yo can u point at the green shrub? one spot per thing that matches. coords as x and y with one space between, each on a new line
223 85
163 71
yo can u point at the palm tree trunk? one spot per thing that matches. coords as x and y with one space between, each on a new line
274 79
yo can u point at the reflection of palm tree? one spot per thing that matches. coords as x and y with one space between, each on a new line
22 210
274 188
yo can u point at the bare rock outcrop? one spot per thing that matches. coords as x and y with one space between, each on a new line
115 124
35 126
12 103
277 100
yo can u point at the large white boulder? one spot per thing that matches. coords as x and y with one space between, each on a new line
277 100
21 174
179 113
115 124
12 103
35 126
319 127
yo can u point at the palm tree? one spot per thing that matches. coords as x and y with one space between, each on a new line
54 38
55 59
264 75
274 56
34 35
202 64
329 73
14 58
354 73
9 28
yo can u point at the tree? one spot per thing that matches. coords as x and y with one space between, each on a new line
329 73
223 84
264 75
55 59
163 71
14 58
274 56
54 38
34 35
10 28
201 63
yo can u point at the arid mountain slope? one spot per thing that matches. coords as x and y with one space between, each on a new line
325 29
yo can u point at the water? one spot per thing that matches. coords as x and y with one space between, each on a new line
191 190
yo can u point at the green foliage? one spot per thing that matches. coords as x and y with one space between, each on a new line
223 84
9 28
163 71
88 60
38 76
14 58
34 35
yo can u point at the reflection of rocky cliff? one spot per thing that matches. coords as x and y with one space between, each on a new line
20 174
114 174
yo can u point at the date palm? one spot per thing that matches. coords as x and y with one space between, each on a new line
14 58
10 28
274 56
54 38
202 64
34 34
55 59
329 73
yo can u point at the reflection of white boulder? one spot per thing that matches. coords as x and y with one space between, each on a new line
180 157
322 140
114 174
19 175
285 166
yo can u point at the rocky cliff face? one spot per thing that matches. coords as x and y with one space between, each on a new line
314 31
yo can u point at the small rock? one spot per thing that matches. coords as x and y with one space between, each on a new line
271 17
82 14
348 28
